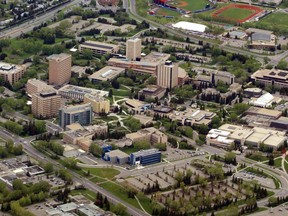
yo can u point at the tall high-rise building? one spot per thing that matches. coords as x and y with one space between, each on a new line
59 69
46 104
81 114
167 75
133 49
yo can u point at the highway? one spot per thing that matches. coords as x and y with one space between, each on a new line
31 151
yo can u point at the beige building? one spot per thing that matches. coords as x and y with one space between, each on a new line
133 49
46 104
35 86
273 77
59 69
99 104
151 135
107 73
12 73
167 75
148 64
98 48
229 134
82 136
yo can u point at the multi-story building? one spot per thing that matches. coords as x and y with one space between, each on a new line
99 104
46 104
151 135
81 114
133 49
273 77
145 157
12 73
98 48
151 91
213 77
77 93
147 64
59 69
167 75
35 86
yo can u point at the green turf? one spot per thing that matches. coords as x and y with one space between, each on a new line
278 162
278 19
236 13
120 192
103 172
167 12
87 193
191 5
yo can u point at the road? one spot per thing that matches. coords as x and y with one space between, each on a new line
28 25
31 151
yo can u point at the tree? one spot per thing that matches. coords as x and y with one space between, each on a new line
161 146
96 150
48 167
230 158
119 209
188 132
139 145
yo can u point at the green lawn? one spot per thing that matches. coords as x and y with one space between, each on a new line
167 12
97 180
129 150
191 5
286 166
278 162
120 192
108 173
278 20
236 13
87 193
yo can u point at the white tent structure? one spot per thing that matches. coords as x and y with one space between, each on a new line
264 101
189 26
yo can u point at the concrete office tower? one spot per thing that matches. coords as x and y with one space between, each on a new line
81 114
167 75
133 49
46 104
99 104
59 69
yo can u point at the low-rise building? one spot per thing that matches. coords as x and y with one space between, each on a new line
252 92
271 77
116 156
98 48
107 73
261 39
265 100
35 86
151 135
183 76
213 77
262 112
83 137
280 124
229 134
191 117
152 91
12 73
145 157
77 93
99 104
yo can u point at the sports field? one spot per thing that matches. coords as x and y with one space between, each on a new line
167 12
190 5
237 12
278 19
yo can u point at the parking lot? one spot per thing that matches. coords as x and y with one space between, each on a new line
180 154
281 210
266 182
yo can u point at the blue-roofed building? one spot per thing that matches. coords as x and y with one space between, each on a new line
145 157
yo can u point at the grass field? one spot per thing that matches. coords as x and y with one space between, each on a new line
103 172
236 13
191 5
277 19
167 12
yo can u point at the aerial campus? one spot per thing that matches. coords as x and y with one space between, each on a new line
143 107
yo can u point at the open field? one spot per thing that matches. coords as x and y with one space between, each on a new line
278 20
191 5
236 12
166 12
